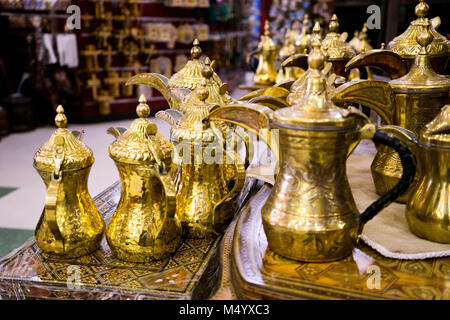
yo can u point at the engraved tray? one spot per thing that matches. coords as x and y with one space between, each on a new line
259 273
192 272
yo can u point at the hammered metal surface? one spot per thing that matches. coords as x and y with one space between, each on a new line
27 273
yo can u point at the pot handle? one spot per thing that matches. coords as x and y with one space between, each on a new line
409 170
54 192
248 59
239 179
169 191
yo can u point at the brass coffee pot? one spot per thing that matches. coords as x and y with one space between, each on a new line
428 204
70 225
409 102
178 87
310 214
265 74
207 178
288 49
144 226
400 53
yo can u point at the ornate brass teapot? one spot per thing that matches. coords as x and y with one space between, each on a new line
428 204
178 87
288 49
265 73
70 225
207 178
400 53
144 226
409 102
310 214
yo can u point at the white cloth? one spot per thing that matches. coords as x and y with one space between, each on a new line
47 50
66 44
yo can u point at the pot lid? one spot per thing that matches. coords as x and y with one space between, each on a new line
266 43
191 74
303 41
335 44
76 154
141 143
363 45
405 44
314 110
191 126
421 75
437 132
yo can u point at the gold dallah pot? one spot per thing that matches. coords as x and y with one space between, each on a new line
206 183
409 102
428 203
144 226
70 225
310 214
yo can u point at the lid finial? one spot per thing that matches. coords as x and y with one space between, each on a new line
202 91
266 29
196 51
421 9
316 58
143 110
60 119
334 24
207 70
425 37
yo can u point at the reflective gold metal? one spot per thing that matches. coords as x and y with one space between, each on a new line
265 73
208 178
409 102
143 227
339 52
400 53
428 204
178 87
70 225
303 42
310 214
288 49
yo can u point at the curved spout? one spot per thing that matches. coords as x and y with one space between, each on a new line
160 83
273 103
299 60
276 92
116 131
370 93
171 116
386 60
252 117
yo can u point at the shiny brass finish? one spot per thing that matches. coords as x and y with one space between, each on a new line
288 49
409 102
428 204
70 225
143 227
303 42
310 214
205 187
178 87
265 73
400 53
339 52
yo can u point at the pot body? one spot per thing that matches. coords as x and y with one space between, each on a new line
79 227
265 73
310 214
428 207
204 194
412 110
143 227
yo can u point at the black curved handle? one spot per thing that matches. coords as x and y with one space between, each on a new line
409 171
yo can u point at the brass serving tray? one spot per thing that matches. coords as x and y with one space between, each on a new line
192 272
259 273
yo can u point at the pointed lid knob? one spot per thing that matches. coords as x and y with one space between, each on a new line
141 143
76 154
314 109
191 74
